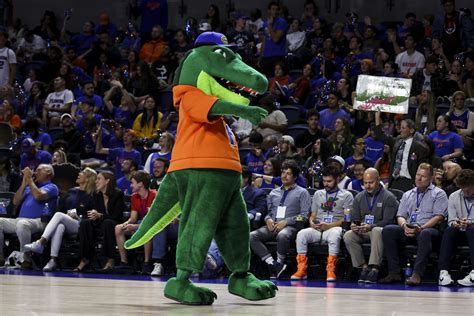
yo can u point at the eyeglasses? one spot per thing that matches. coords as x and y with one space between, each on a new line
459 99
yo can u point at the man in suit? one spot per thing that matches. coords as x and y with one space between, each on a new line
407 154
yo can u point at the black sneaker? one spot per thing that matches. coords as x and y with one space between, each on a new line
363 275
147 268
372 276
276 269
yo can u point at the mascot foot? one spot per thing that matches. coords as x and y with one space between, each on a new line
185 292
246 285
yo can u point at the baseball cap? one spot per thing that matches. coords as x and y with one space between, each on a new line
27 145
339 159
288 139
204 26
212 38
66 115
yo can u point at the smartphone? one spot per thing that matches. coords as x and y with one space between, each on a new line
316 222
357 223
411 226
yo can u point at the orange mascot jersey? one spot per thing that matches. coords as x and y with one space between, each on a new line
201 143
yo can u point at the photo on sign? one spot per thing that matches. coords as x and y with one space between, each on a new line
383 94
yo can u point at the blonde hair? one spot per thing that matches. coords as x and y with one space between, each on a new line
426 166
428 108
91 177
455 94
62 156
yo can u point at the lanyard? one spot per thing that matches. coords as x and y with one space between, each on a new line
285 194
418 201
143 206
330 204
371 205
468 209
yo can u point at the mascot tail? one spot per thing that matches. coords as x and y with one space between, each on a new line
154 222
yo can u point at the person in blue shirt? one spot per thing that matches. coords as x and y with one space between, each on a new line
32 157
257 156
83 41
274 49
333 112
373 147
32 129
419 212
37 196
117 155
124 183
448 144
357 184
358 145
87 94
152 12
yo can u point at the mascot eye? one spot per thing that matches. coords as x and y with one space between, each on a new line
221 52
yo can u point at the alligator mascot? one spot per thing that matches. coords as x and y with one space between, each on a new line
204 179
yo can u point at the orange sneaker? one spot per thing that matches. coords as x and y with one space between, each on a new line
331 269
300 274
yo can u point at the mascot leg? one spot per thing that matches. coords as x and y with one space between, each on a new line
203 202
232 237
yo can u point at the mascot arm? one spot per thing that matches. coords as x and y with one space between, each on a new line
254 114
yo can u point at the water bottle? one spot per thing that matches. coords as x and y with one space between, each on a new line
408 270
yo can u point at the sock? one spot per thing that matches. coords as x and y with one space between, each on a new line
269 260
280 258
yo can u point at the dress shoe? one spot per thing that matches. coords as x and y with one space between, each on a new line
391 278
414 280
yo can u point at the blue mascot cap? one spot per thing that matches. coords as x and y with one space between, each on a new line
212 38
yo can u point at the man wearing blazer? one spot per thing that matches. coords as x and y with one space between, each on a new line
407 154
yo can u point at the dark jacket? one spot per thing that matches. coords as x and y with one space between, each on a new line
115 206
255 200
418 152
437 82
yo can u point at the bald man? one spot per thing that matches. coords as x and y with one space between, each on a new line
372 209
451 171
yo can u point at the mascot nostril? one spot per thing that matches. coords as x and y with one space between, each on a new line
203 183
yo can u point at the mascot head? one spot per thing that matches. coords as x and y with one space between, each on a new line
213 67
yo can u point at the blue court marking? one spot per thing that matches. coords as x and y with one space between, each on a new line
306 283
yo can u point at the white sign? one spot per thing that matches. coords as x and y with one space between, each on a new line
383 94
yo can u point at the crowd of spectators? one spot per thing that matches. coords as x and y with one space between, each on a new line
100 99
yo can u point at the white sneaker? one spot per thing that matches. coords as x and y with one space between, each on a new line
50 266
210 263
444 278
158 270
468 280
35 246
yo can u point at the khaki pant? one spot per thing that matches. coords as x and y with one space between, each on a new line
354 243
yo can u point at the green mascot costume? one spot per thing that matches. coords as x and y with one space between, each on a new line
204 179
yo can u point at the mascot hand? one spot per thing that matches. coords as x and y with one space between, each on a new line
254 114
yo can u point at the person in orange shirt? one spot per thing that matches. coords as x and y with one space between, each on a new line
152 50
7 114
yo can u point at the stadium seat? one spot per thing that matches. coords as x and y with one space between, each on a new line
292 113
